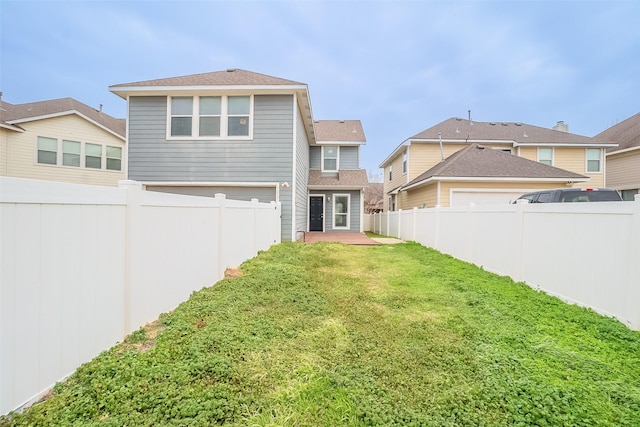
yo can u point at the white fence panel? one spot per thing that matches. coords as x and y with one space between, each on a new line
584 253
81 267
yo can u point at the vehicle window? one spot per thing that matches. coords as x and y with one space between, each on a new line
544 197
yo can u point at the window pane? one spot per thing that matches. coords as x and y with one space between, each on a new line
593 160
210 106
47 144
341 221
342 204
93 150
593 166
47 157
593 154
182 106
239 126
545 156
71 153
181 126
330 164
114 152
114 164
93 162
239 105
209 126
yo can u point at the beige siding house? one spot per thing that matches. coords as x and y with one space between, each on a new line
576 160
61 140
623 161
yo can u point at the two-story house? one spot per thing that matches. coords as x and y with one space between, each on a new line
437 167
247 135
61 140
623 161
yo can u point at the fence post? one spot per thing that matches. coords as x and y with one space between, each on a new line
254 203
415 219
518 243
399 224
436 225
221 241
633 289
132 246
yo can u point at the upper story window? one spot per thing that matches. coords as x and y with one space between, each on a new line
330 156
62 152
593 160
390 172
404 162
210 117
545 156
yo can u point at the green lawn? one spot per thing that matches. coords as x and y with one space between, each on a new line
335 335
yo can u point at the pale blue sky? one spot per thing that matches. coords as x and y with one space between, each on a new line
398 66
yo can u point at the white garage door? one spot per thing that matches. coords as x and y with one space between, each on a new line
464 197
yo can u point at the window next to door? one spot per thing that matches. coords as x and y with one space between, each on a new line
341 218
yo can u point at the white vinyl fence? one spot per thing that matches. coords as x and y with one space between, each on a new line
583 253
84 266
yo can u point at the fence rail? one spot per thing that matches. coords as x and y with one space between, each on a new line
583 253
84 266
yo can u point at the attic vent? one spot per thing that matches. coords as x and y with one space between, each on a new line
230 70
492 124
341 121
504 124
518 124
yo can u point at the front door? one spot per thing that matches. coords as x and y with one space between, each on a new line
316 209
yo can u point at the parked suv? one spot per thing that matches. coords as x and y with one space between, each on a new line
563 195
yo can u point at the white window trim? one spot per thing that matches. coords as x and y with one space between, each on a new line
83 155
337 147
224 119
333 213
586 161
553 155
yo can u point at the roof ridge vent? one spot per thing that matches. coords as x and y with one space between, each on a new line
230 70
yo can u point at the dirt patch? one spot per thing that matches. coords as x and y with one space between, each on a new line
232 272
151 331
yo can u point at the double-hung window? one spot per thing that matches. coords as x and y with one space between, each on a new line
71 153
593 160
93 156
404 162
329 159
114 158
545 156
390 172
47 150
209 117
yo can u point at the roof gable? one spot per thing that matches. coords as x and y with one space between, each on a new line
28 112
477 161
339 131
626 134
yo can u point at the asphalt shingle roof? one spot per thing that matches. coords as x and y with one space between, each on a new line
626 134
346 178
476 161
461 129
230 77
10 113
339 130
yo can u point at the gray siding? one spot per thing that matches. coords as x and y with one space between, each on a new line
348 157
302 175
268 157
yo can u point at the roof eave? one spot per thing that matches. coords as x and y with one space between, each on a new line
66 113
625 150
124 91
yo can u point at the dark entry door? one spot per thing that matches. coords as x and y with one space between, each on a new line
316 206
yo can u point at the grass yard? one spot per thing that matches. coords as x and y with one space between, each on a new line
335 335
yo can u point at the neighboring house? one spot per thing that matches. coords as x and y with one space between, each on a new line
61 140
374 197
246 135
413 178
623 161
